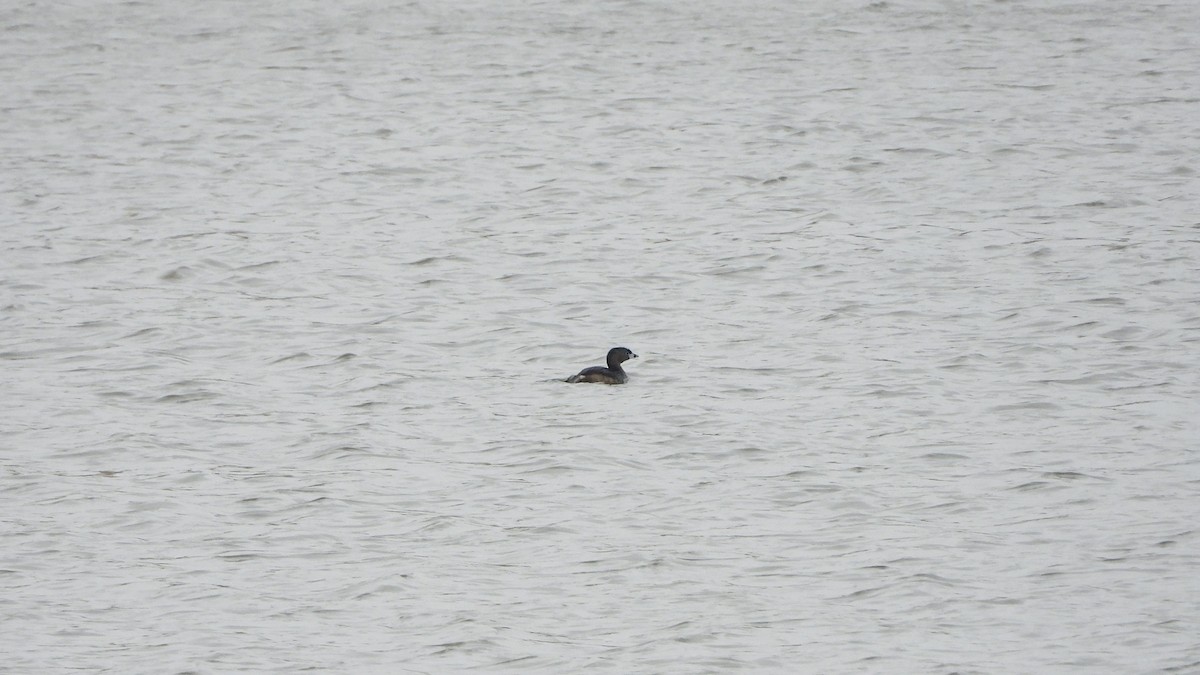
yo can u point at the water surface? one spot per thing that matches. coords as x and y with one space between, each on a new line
287 294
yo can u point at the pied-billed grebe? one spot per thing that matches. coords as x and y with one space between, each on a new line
613 374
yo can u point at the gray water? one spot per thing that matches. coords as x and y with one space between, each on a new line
288 292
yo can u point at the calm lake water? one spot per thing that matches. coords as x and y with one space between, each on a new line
288 292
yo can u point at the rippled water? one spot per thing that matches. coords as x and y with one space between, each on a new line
287 292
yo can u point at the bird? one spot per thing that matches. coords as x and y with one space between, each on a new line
613 374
